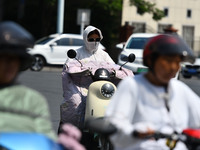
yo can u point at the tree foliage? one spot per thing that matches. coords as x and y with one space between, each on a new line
148 7
106 15
112 5
40 17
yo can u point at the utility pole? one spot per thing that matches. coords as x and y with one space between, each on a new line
60 18
83 18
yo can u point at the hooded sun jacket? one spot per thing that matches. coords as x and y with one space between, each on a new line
24 110
91 51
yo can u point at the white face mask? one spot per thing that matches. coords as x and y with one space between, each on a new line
92 46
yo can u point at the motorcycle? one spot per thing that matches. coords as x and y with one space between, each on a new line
190 137
25 141
104 78
94 84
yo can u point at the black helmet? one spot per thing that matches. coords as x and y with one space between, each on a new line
166 44
101 74
14 39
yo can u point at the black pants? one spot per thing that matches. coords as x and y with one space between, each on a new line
89 141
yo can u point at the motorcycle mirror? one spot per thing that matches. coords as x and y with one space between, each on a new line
131 57
71 53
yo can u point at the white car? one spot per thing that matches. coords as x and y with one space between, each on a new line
135 45
52 50
120 45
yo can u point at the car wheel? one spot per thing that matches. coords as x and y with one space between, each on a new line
37 64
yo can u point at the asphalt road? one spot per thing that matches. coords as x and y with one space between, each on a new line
49 83
193 83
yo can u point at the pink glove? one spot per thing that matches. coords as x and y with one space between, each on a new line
70 137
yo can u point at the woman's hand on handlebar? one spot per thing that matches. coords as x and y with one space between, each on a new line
113 73
70 137
145 134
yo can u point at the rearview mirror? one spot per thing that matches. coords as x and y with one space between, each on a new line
53 44
131 57
71 53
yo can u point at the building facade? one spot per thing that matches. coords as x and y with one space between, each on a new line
182 15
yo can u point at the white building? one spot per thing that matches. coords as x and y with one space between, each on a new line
183 15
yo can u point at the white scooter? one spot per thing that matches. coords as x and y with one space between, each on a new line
101 90
103 86
105 79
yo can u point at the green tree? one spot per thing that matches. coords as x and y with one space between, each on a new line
40 17
106 15
144 6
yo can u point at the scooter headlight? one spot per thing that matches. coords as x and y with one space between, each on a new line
107 90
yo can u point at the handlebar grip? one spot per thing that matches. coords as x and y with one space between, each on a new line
135 133
138 134
156 135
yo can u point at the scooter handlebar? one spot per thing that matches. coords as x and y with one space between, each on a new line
101 126
89 68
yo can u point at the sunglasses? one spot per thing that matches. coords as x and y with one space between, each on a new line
92 39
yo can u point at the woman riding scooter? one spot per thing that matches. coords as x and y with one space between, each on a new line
72 107
76 76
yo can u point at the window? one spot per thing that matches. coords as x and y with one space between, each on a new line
43 40
166 11
161 27
78 42
63 42
189 13
188 35
137 43
70 42
139 27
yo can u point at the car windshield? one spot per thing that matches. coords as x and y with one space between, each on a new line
137 43
43 40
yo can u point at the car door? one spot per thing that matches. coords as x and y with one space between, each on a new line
60 47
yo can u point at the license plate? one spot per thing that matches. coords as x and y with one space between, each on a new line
192 71
142 70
